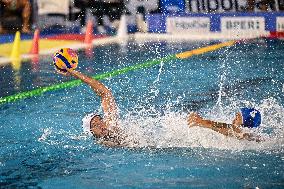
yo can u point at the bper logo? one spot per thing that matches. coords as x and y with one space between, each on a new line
242 25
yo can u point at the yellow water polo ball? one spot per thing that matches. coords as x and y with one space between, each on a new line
65 58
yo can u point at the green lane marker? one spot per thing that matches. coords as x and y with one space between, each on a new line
74 83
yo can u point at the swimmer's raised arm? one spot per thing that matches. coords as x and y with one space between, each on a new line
108 101
100 89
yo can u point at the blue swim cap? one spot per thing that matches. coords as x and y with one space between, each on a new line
251 117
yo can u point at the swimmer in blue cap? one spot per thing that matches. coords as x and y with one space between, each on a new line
247 117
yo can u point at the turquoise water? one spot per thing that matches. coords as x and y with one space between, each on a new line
42 145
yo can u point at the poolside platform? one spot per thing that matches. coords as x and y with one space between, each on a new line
48 44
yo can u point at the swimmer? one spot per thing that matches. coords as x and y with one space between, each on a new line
104 128
247 117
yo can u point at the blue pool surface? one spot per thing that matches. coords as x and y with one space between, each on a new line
42 144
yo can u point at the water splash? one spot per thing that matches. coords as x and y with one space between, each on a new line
45 134
224 69
154 89
171 130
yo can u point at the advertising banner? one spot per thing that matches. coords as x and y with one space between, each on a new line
205 6
280 24
185 25
242 24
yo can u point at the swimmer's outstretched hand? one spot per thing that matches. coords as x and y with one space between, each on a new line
68 73
194 119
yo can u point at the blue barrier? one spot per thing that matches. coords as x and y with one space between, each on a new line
157 22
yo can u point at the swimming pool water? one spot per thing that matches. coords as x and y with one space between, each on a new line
42 145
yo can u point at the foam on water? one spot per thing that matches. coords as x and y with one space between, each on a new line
171 130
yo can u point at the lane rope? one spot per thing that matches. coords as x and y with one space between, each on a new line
147 64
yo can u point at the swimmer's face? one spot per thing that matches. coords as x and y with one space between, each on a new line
238 119
98 126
